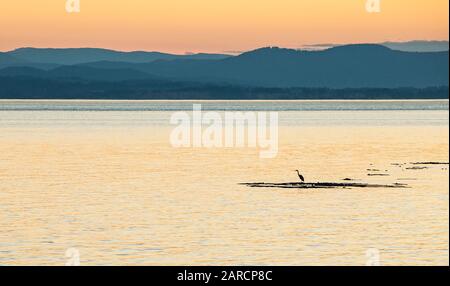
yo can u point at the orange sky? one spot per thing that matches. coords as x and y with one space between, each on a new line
216 25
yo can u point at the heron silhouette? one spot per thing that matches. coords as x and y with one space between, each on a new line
300 176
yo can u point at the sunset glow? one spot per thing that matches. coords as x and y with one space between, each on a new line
181 26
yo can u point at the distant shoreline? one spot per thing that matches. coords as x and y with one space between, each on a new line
226 100
78 89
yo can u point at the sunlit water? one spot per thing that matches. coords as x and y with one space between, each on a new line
101 176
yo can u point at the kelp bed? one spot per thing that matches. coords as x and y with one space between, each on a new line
349 183
321 185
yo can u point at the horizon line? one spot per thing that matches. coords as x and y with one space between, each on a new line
309 47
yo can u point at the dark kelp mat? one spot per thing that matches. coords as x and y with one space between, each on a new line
321 185
430 163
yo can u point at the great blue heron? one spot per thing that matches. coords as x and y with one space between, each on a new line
300 176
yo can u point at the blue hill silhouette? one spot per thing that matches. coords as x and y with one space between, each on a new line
84 55
350 66
8 60
340 67
418 46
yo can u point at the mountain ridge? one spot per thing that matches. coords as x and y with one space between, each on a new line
71 56
349 66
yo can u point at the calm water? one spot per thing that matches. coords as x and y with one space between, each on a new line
101 176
